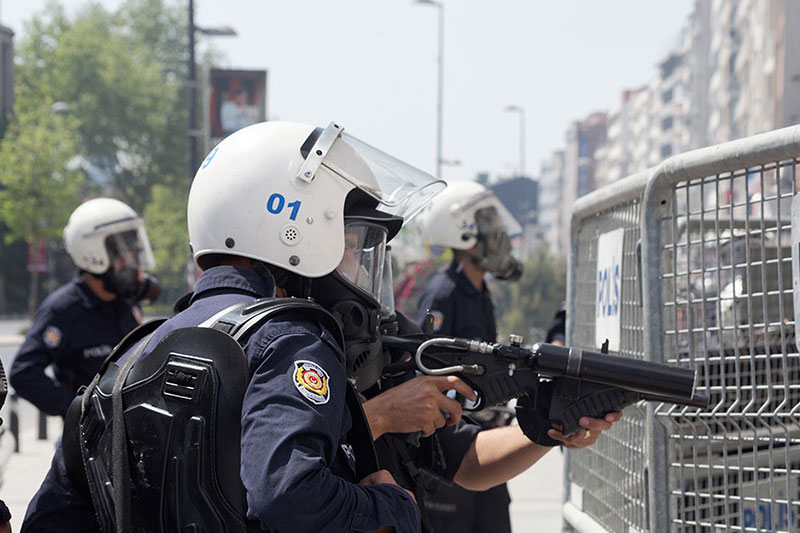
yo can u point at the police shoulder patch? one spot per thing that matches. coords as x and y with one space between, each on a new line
52 336
311 381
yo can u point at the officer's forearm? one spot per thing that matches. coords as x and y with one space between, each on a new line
31 383
495 456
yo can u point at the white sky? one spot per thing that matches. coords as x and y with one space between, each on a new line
370 65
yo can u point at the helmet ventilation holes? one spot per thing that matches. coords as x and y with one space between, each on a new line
290 235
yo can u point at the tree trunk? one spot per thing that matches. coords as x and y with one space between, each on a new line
33 294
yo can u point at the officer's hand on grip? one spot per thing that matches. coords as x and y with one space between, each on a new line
416 405
592 427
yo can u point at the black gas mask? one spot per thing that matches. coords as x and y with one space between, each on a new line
125 277
353 294
493 249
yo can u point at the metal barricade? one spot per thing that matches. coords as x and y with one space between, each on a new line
716 294
607 483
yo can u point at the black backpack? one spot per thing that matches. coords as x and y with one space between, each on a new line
177 454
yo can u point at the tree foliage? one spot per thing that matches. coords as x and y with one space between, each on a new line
165 219
527 306
115 89
118 78
38 190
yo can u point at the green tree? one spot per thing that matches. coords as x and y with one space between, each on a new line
527 306
38 190
165 219
115 90
119 75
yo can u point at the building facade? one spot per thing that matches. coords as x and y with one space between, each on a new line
734 72
584 137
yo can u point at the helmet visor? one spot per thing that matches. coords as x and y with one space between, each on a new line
399 188
364 256
130 248
490 215
387 287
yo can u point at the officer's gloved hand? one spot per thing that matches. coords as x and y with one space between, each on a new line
149 290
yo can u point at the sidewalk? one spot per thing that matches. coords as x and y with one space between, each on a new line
535 494
25 470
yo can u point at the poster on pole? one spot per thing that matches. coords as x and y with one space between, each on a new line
236 99
608 296
37 257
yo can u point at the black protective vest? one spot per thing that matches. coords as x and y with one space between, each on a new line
177 454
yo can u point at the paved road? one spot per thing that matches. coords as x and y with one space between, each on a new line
535 495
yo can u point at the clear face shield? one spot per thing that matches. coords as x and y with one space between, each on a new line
387 310
129 249
130 255
399 188
364 256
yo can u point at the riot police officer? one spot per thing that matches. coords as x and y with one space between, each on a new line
475 227
454 459
268 213
76 326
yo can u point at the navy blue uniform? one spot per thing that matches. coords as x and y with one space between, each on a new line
461 310
458 308
290 438
73 330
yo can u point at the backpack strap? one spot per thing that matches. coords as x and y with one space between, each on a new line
70 441
241 320
119 442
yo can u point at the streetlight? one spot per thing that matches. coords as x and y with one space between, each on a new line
193 132
521 111
440 90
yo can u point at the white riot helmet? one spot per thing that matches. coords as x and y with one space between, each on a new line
106 238
312 202
468 215
276 192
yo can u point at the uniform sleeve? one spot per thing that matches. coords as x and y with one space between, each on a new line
455 441
44 344
440 303
57 505
292 420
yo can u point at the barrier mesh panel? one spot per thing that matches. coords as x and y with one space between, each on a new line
726 289
611 474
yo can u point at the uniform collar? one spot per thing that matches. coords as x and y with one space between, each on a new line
227 278
88 298
456 272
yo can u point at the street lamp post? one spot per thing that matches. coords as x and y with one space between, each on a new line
521 112
440 87
193 132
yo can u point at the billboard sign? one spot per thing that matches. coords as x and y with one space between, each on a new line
236 98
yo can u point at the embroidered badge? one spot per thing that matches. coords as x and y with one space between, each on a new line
312 382
52 336
438 320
